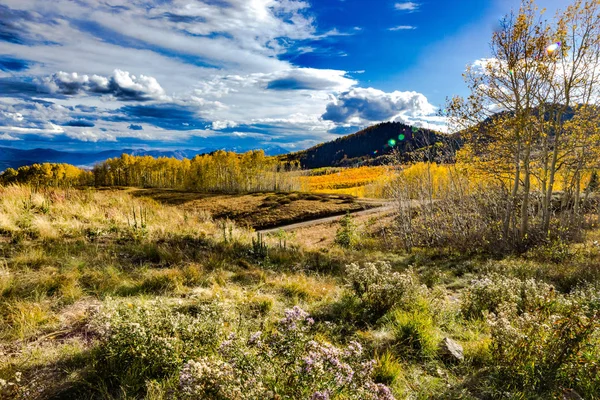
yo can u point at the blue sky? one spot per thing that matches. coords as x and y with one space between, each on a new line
87 75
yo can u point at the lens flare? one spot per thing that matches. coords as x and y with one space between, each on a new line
553 48
415 129
401 136
375 152
392 142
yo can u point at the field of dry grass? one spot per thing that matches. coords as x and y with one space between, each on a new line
258 210
109 295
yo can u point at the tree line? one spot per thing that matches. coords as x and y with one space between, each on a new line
220 171
47 174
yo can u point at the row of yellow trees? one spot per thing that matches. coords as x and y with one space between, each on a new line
221 171
47 174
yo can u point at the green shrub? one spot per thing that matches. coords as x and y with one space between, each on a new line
540 353
388 369
380 289
487 294
147 341
414 333
557 251
346 235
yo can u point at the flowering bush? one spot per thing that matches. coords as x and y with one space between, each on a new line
539 352
141 341
380 289
286 363
489 293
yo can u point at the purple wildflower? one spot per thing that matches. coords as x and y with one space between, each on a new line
320 395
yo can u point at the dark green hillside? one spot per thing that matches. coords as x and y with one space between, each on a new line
369 145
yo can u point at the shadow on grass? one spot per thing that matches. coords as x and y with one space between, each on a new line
172 197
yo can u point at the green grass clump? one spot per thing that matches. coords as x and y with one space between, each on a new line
415 334
388 368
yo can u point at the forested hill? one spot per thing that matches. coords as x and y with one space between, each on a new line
371 145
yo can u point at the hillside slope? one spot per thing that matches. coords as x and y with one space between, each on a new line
373 144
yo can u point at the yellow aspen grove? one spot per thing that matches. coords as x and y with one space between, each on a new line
523 121
221 171
47 174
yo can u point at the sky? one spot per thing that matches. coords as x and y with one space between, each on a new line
89 75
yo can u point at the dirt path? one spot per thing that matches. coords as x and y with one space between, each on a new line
384 208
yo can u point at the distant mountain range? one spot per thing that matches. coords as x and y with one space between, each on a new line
15 158
370 146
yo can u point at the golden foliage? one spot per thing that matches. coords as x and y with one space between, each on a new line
361 181
47 174
220 171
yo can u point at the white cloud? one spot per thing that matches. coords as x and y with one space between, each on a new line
306 79
223 61
219 125
402 28
407 6
48 129
276 98
6 136
121 85
372 105
92 136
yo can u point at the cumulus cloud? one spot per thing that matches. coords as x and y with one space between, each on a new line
361 105
21 117
122 85
224 63
220 125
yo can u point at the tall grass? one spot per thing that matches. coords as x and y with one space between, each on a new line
52 213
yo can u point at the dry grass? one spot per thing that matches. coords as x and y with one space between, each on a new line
66 254
322 236
258 210
55 213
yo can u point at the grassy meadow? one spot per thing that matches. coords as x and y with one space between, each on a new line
109 294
